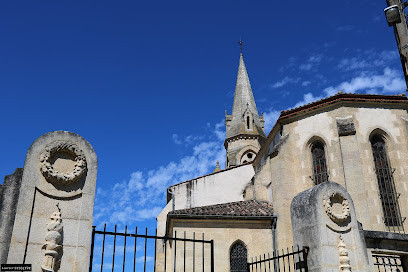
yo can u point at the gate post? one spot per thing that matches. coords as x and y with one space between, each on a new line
324 219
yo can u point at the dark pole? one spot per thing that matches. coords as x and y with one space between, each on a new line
305 251
92 248
212 255
401 36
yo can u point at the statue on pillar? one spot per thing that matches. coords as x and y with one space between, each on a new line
52 248
344 258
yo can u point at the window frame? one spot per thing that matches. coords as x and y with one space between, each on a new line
323 175
387 189
233 245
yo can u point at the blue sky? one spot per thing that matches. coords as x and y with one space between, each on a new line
147 83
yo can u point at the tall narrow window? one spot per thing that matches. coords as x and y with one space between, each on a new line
238 257
248 122
319 163
388 193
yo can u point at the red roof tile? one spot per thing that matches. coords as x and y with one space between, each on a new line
252 208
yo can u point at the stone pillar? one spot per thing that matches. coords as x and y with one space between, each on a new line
53 222
352 167
9 192
324 219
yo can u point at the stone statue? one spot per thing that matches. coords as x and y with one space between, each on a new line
52 248
343 254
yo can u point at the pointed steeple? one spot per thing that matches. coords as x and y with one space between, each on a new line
245 128
244 106
243 98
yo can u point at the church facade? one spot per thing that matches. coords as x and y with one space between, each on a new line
358 141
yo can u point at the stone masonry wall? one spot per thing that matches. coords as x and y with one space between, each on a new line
9 193
255 234
349 161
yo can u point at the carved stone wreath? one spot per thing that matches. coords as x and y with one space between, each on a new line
329 200
52 175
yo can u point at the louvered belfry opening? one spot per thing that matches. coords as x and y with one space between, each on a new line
319 163
388 193
238 257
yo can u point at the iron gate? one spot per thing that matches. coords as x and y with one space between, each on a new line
292 260
169 255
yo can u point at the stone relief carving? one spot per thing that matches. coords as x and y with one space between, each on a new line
52 248
72 154
343 255
336 207
345 126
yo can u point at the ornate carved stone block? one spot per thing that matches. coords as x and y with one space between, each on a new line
60 168
62 162
324 219
345 126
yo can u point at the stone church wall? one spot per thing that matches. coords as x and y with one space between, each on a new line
255 234
349 161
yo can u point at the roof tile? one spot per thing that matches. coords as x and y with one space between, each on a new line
240 208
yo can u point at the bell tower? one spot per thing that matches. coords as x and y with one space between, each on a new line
245 128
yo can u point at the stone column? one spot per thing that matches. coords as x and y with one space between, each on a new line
9 192
352 166
53 222
324 219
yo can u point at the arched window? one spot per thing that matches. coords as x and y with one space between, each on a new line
388 193
248 122
319 163
238 257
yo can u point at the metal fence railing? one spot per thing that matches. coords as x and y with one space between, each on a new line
126 251
291 260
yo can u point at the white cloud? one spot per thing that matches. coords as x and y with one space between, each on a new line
389 81
176 139
312 62
270 119
143 195
286 80
369 60
190 139
305 66
316 58
306 83
281 83
307 98
220 130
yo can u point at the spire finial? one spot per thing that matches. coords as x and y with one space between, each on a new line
240 45
217 167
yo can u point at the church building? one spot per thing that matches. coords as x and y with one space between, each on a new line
359 141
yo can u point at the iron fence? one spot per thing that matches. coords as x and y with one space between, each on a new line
383 263
168 254
291 260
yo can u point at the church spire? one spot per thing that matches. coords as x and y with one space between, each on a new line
243 98
244 125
